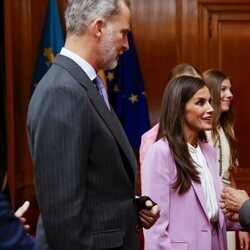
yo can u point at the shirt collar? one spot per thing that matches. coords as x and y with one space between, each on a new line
86 67
192 149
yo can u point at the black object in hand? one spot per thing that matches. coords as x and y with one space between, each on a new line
141 202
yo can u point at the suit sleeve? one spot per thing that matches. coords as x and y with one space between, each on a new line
12 233
244 215
59 126
155 179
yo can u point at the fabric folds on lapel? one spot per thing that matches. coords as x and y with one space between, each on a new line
114 125
197 186
200 195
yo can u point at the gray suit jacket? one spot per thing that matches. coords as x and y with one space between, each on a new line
85 169
244 215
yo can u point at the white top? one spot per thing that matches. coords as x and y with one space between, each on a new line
86 67
221 146
206 182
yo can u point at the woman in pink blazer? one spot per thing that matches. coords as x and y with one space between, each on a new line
149 137
179 173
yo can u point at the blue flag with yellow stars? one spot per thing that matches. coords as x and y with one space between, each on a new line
51 43
127 95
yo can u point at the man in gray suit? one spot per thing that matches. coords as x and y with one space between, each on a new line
85 169
236 206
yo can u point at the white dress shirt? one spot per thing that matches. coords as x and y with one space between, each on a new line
206 182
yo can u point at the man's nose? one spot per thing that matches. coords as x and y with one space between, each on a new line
125 44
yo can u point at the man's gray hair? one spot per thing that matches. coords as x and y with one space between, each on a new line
80 13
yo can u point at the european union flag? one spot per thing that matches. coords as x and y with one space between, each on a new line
51 42
127 95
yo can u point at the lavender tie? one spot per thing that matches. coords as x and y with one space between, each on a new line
99 84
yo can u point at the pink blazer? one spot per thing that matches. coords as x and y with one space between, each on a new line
183 222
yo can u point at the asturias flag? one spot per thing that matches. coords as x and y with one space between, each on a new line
127 95
51 42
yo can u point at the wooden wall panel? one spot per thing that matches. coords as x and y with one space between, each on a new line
234 58
21 46
9 100
225 38
187 15
154 29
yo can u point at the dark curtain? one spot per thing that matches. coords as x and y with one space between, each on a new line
2 101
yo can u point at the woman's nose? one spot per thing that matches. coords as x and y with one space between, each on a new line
229 94
210 109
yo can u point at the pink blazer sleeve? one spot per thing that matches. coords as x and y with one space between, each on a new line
155 179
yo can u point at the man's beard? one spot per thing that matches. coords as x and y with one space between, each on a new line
108 52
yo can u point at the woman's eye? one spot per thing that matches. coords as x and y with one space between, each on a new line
200 103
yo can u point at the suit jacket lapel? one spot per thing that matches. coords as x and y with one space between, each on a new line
108 117
113 123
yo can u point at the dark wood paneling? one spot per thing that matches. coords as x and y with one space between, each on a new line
154 29
23 27
9 99
241 177
225 38
187 15
235 59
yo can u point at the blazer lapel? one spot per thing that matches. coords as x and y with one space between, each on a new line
200 195
108 116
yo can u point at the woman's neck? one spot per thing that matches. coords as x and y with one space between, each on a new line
192 140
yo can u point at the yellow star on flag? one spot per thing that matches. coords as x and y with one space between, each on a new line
133 98
49 54
110 76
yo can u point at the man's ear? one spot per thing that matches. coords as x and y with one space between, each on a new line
98 26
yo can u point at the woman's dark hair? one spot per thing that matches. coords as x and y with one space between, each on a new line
177 93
